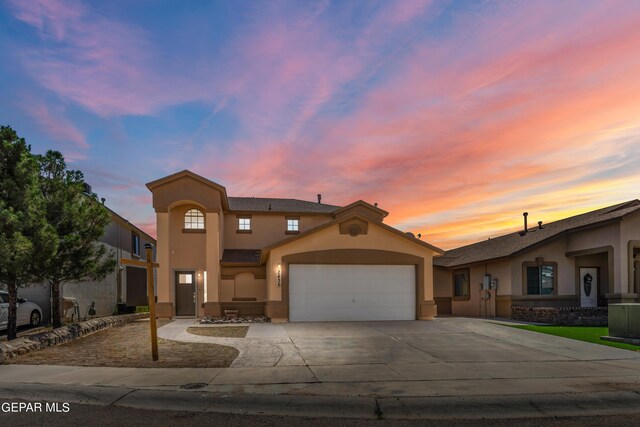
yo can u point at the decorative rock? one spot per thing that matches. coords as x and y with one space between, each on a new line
569 316
208 320
24 345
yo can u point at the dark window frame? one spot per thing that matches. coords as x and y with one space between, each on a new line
459 272
297 225
135 244
239 230
539 264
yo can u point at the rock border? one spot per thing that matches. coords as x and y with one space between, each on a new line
39 341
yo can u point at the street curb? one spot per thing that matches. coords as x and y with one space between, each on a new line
362 407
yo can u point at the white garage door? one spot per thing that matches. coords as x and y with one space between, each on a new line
320 292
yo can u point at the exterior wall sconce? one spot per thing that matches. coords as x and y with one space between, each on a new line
205 285
279 275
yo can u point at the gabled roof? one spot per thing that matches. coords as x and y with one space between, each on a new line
187 173
381 213
260 204
411 238
513 243
175 176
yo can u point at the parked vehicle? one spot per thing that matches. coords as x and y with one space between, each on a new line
28 312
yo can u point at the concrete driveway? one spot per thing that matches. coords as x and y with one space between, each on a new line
412 369
447 356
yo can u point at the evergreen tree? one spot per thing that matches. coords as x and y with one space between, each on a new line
26 239
79 221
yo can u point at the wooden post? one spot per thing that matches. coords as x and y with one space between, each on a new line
149 265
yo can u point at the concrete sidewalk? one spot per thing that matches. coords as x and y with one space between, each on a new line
409 368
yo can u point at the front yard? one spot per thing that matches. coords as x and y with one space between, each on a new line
590 334
130 346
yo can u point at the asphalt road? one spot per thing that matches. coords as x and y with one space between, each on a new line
81 414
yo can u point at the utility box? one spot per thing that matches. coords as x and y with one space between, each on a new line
624 320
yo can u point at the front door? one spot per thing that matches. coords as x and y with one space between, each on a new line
589 286
185 293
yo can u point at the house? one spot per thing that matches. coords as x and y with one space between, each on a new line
587 260
124 285
290 260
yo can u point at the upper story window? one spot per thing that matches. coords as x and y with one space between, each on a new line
194 220
540 279
244 224
461 288
293 226
135 244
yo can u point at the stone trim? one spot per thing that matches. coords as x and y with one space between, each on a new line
35 342
569 316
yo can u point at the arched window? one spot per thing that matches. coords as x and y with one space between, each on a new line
194 220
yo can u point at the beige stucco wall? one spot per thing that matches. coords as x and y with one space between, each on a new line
474 306
267 229
330 238
442 286
629 238
185 189
163 257
554 251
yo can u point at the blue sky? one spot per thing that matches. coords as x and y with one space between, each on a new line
453 116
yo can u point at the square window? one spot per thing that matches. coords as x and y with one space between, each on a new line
244 224
293 225
540 280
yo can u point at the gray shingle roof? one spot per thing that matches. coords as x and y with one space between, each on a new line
241 255
259 204
509 244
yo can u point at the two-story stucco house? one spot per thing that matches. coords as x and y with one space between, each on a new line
290 260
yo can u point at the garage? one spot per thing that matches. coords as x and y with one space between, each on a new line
326 292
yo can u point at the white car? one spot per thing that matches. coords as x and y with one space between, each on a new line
28 312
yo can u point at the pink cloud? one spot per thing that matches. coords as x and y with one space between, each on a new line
56 126
459 128
107 66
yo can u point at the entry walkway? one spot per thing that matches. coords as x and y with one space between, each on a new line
265 345
454 357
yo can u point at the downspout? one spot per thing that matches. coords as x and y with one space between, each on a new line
633 244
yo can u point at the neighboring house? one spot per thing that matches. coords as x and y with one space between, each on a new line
290 260
587 260
127 285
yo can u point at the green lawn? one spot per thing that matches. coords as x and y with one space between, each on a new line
582 333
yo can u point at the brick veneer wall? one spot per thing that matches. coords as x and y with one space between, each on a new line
62 335
569 316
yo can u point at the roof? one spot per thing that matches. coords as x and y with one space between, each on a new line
132 225
259 204
187 173
513 243
244 256
410 237
362 203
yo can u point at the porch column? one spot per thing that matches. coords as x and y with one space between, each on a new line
213 255
165 307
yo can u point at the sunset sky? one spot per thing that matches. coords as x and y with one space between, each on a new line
455 116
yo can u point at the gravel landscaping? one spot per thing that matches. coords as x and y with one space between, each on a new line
208 320
219 331
130 346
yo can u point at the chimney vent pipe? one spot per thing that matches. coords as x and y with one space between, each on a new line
319 198
525 215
